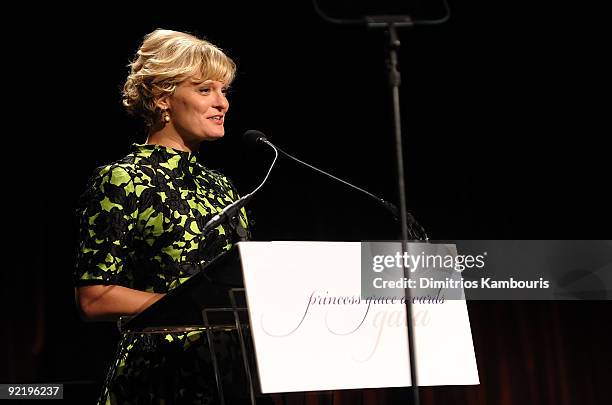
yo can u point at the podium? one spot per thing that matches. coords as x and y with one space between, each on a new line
303 326
210 301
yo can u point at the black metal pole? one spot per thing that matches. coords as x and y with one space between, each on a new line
395 82
410 228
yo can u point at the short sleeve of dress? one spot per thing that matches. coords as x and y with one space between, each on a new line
106 215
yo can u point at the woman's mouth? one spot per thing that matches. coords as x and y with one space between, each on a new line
217 119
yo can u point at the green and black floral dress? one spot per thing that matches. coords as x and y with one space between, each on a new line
140 227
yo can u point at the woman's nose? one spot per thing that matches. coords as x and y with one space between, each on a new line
221 102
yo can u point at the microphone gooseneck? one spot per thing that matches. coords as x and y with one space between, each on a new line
232 209
416 231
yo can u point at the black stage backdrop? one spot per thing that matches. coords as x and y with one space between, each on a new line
506 132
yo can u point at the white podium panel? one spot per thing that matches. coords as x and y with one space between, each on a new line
312 331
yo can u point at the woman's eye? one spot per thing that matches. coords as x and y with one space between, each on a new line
205 90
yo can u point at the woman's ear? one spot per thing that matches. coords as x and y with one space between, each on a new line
162 103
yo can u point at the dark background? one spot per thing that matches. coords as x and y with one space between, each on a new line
506 128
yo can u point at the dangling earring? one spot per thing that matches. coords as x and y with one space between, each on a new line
165 116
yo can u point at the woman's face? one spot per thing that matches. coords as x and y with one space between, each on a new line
197 109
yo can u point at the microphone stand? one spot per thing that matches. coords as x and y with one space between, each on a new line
394 78
390 23
394 83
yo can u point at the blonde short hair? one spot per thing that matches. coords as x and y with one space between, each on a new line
164 60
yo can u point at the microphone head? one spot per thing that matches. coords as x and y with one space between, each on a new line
253 137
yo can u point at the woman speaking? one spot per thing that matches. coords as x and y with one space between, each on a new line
141 218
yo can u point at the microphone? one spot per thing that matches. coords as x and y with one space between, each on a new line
231 210
416 231
253 137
